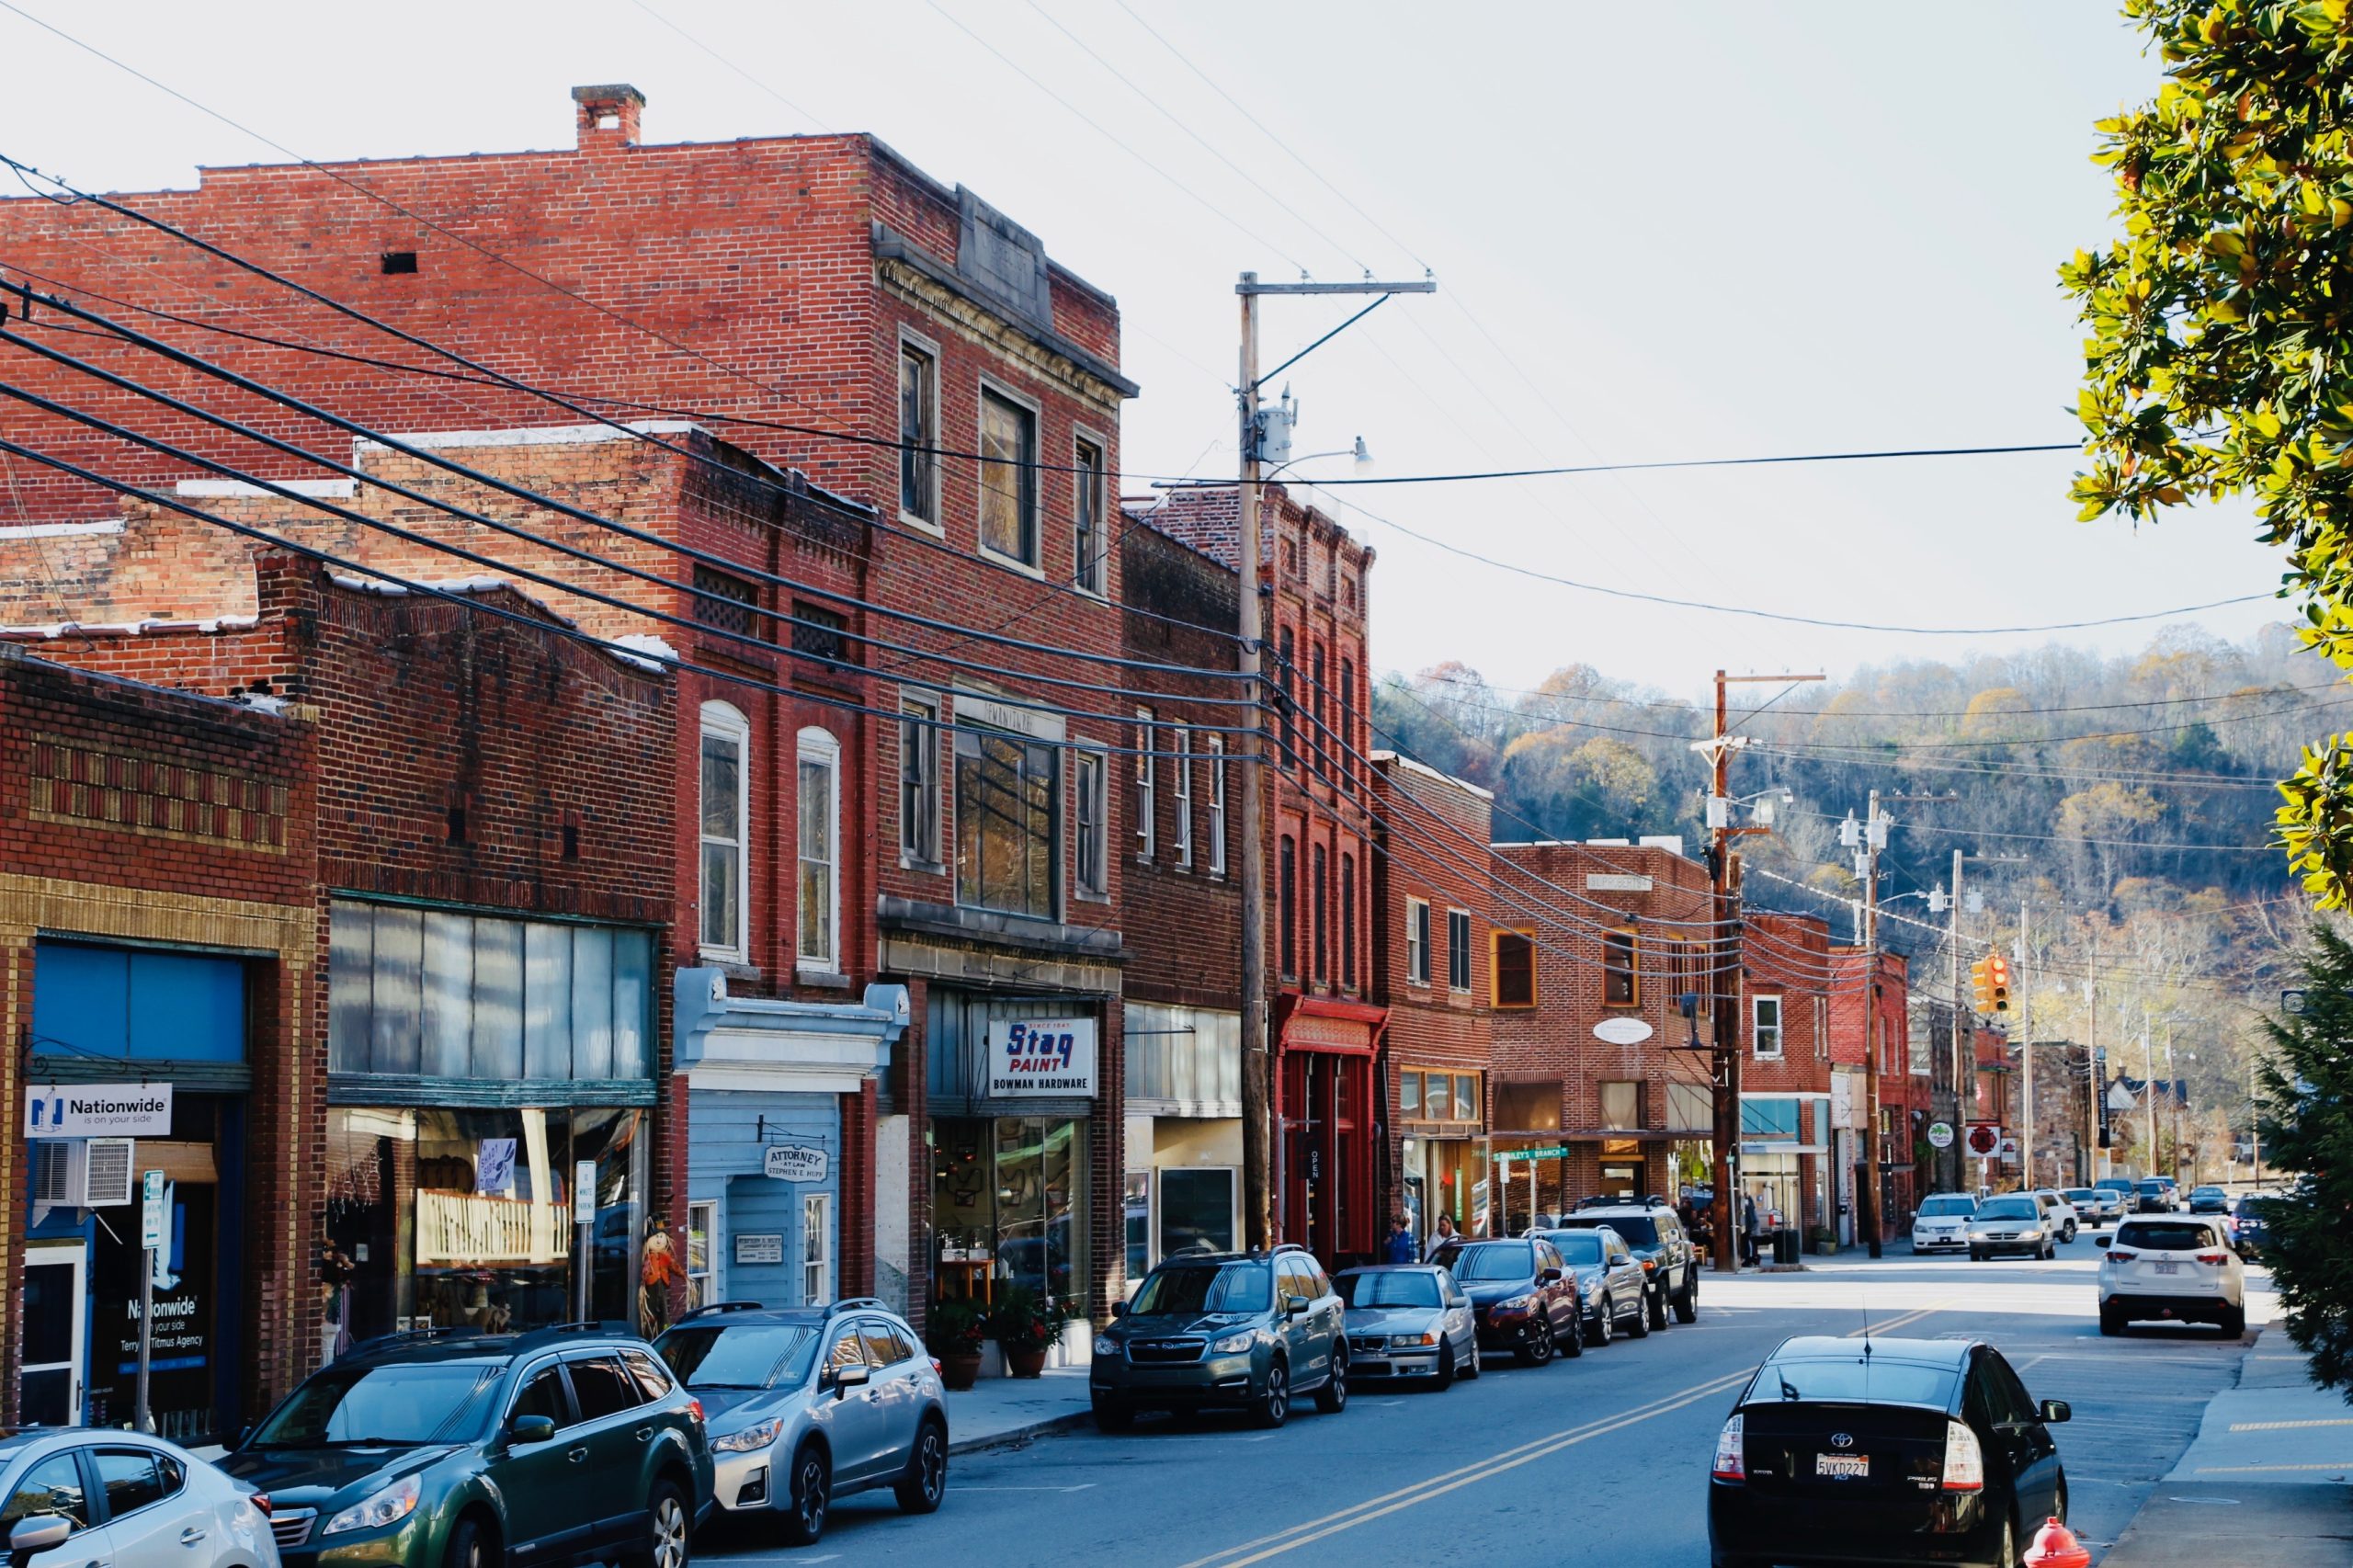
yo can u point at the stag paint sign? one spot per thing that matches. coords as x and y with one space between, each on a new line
1042 1058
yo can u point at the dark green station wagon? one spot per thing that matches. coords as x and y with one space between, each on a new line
453 1449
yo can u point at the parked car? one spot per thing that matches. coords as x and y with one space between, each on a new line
74 1495
2209 1200
2178 1268
2094 1205
807 1405
1408 1320
2058 1210
1232 1331
2011 1221
2127 1192
2154 1195
1942 1222
1655 1236
1900 1450
452 1448
2252 1224
1523 1298
1612 1292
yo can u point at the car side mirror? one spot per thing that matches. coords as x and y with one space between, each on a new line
1548 1276
851 1377
1295 1306
2055 1411
38 1532
1119 1309
531 1429
244 1433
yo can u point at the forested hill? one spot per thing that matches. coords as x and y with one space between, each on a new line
2125 783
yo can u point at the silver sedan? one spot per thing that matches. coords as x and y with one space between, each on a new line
1408 1321
74 1495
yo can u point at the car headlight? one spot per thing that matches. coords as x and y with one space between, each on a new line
1234 1343
759 1435
1516 1304
1106 1346
389 1505
1412 1341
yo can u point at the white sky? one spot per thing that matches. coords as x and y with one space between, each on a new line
1708 230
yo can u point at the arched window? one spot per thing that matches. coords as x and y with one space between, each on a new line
1286 904
817 882
726 828
1348 921
1320 891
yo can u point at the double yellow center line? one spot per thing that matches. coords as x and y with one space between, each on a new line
1372 1508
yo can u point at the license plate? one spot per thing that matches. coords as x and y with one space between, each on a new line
1842 1467
2168 1268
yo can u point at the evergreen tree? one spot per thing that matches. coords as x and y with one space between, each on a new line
2308 1128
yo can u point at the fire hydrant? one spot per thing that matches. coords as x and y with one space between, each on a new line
2055 1546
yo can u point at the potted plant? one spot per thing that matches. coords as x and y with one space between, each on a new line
956 1332
1823 1240
1024 1325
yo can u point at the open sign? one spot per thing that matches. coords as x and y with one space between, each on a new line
1041 1057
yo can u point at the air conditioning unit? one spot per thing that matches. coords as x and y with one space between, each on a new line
84 1173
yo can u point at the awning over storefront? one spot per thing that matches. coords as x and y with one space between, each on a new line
760 1043
1326 1024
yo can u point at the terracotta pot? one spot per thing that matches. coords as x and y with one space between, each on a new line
959 1371
1026 1363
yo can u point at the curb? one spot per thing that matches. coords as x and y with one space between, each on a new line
1017 1435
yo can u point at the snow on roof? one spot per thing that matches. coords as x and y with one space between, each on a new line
143 628
633 649
1424 768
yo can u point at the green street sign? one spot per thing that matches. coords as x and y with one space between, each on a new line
1505 1156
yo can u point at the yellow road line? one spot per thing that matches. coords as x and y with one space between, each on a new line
2341 1465
2286 1426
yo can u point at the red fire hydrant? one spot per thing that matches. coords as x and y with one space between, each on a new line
2055 1546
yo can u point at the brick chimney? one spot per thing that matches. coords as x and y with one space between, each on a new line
608 116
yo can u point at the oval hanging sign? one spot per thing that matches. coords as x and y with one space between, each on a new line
1940 1135
794 1161
1623 1031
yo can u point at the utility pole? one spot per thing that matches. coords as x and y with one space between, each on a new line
1261 1150
2098 1079
1961 1010
2026 1055
1874 839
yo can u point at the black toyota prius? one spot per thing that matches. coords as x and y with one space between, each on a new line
1883 1451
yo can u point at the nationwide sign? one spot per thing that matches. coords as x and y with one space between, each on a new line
98 1110
1039 1058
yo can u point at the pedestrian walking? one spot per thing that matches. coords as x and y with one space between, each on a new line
1401 1247
1441 1236
1748 1228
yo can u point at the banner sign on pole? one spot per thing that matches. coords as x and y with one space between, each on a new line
98 1110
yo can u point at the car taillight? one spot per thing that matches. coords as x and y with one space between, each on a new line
2116 1256
2215 1258
694 1408
260 1500
1729 1465
934 1366
1965 1460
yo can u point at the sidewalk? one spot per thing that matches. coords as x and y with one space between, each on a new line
2268 1482
996 1411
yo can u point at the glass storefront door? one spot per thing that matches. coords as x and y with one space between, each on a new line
1009 1206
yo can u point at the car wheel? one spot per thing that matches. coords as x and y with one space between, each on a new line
1686 1305
1536 1349
466 1548
1639 1325
2050 1250
1445 1364
1605 1326
1471 1367
926 1482
1332 1397
2233 1322
1976 1255
812 1485
665 1539
1274 1400
1573 1345
2111 1321
2009 1555
1659 1318
2059 1501
1112 1414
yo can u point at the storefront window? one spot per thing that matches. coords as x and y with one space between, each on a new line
1197 1209
1009 1206
465 1217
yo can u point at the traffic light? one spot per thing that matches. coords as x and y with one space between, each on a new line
1982 981
1997 977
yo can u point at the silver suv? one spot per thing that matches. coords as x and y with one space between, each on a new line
805 1405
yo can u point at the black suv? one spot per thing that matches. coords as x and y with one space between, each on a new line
1653 1233
455 1448
1224 1330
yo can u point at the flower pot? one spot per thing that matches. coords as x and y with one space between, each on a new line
1026 1363
959 1371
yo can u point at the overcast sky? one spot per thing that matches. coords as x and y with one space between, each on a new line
1700 231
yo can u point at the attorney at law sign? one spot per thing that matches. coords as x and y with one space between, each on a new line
1042 1058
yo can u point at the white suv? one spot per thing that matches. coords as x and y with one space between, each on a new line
2178 1267
1942 1224
2060 1211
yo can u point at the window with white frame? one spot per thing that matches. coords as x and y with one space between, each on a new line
1765 1027
1822 1028
1217 804
1009 479
1146 776
1091 796
817 886
1457 950
1181 743
1417 942
920 780
726 827
702 1249
918 435
816 1249
1088 508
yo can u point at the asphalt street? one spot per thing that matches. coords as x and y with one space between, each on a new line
1601 1459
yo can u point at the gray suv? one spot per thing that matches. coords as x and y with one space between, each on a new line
806 1404
1233 1331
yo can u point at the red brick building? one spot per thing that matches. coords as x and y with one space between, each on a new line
1594 945
1433 934
1858 1005
838 314
1786 1106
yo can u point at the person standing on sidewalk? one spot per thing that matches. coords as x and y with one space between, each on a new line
1748 1229
1441 1236
1400 1248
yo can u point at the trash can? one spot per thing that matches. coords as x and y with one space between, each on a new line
1785 1243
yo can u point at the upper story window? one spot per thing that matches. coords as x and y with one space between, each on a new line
1621 986
1457 950
1323 731
818 633
1319 891
1822 1028
1147 779
1009 479
1417 942
1765 1027
1217 804
726 831
1286 904
726 601
920 780
1513 967
1087 509
1007 821
918 436
817 885
1092 800
1349 744
1182 763
1348 921
1285 662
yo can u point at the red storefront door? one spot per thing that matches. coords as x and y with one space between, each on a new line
1326 1116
